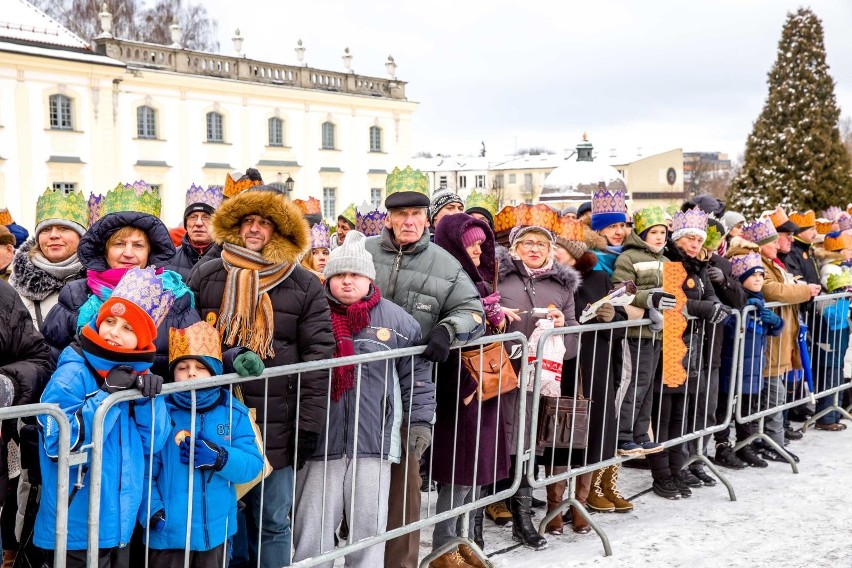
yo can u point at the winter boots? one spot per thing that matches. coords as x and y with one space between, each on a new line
609 479
578 522
665 487
555 495
726 457
597 501
451 559
523 530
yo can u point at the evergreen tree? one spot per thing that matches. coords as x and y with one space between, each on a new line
794 156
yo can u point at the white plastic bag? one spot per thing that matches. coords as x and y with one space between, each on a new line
552 352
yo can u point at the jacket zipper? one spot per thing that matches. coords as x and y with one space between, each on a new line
204 498
395 273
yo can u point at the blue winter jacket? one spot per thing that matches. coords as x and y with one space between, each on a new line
754 350
129 429
225 421
832 337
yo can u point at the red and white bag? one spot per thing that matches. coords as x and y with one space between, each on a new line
552 352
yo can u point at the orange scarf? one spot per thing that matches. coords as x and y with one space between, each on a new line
246 317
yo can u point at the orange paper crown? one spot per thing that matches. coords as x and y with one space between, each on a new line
198 340
569 229
5 217
840 242
823 226
778 217
806 219
240 184
309 207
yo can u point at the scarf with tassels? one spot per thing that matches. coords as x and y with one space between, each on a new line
346 322
246 317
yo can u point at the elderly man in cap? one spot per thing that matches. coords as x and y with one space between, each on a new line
431 285
258 297
200 205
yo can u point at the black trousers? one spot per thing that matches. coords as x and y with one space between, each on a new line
174 558
107 558
667 419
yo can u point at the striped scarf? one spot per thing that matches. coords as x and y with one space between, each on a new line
246 317
103 357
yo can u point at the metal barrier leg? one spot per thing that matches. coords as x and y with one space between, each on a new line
573 502
833 408
452 545
595 527
706 461
761 435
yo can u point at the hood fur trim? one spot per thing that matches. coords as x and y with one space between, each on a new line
586 263
565 275
739 246
291 237
32 282
593 239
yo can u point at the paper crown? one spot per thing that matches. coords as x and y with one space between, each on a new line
94 205
569 229
311 206
778 217
832 213
5 217
760 231
526 215
713 239
672 209
604 201
844 222
54 205
142 287
743 263
823 226
349 213
692 219
238 182
198 340
138 197
212 196
320 236
487 201
842 279
647 218
806 219
406 180
370 224
837 241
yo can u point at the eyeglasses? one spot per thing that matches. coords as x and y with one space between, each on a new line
195 217
529 245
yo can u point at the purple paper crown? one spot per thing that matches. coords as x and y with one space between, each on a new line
742 264
142 287
320 236
370 224
140 187
604 201
212 196
760 231
94 207
832 213
844 222
692 219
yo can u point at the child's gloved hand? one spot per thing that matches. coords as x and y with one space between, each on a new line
158 520
118 379
208 455
769 318
248 364
756 302
150 385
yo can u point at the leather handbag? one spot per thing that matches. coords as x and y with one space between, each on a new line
559 416
243 488
491 369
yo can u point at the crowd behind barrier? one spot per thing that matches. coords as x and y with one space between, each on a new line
574 446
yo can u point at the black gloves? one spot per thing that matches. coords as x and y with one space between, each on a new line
150 385
706 310
438 345
661 301
716 275
306 447
118 379
720 313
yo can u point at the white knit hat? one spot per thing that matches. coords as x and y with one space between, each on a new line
351 257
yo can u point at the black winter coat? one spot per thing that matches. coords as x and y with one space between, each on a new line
732 294
801 261
185 259
60 325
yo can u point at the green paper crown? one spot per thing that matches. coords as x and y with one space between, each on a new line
124 198
839 280
57 205
672 209
714 238
647 218
487 201
349 213
407 180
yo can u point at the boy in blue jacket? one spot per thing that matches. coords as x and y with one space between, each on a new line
758 324
830 347
113 352
225 453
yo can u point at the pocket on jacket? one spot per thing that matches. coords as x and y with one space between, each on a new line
424 306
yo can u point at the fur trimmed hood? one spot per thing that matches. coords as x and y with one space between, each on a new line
565 275
739 246
291 237
30 281
593 239
586 263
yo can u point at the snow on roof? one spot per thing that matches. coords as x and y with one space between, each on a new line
620 158
21 21
451 164
526 162
70 55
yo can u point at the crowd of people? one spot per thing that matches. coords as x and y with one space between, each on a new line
104 298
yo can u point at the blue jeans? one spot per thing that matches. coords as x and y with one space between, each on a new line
275 528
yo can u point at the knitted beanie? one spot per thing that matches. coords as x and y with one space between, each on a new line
575 248
351 258
142 324
440 200
731 219
471 235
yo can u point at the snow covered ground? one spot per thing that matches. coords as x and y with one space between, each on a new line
779 519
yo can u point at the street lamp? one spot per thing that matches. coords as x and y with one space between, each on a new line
238 42
300 51
347 60
288 185
390 67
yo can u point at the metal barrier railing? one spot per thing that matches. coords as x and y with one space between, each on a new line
295 375
695 426
63 463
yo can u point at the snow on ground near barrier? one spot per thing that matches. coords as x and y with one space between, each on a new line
779 519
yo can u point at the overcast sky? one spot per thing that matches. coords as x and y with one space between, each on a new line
655 74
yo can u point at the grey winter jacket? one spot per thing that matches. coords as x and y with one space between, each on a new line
382 394
428 283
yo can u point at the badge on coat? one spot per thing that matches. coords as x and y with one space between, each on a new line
211 318
690 283
476 317
805 255
181 436
383 334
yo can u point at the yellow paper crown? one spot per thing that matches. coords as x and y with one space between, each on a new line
5 217
131 198
407 180
569 229
483 201
198 340
54 205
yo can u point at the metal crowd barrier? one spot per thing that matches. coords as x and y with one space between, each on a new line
295 374
698 423
63 462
